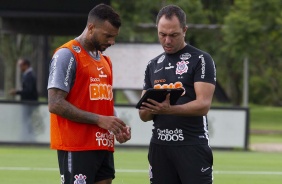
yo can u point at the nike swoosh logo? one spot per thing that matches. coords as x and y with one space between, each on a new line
204 170
156 71
99 68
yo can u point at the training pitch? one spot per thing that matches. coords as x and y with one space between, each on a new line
33 165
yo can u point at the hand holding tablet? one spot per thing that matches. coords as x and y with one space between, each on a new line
159 95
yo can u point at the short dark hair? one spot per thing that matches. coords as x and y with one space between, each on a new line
169 11
103 12
25 61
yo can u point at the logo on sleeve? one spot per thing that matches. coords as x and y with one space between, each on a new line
203 68
161 59
66 82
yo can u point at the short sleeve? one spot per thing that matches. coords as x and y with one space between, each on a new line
147 81
62 70
205 70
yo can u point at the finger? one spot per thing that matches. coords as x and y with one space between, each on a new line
120 123
128 129
127 137
152 111
152 103
144 106
127 133
115 130
120 138
148 107
167 98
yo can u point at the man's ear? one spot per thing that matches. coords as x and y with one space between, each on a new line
184 30
90 28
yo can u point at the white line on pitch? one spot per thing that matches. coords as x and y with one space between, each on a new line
249 172
144 171
28 169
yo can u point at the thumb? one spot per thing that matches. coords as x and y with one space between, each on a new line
167 98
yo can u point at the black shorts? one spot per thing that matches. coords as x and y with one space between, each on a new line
180 164
88 166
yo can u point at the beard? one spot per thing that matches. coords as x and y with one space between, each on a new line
98 46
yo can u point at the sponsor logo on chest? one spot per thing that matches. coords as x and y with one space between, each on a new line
105 139
169 66
170 135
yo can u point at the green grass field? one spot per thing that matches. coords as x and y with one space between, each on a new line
266 118
34 165
38 165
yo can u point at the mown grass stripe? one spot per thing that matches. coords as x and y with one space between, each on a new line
144 171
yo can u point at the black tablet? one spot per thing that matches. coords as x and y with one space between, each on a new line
160 94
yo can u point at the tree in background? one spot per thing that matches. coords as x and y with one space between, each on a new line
243 28
253 30
136 13
199 15
12 47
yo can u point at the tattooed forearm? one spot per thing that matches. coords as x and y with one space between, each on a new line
74 114
58 105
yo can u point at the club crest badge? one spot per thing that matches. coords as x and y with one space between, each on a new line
76 48
181 67
80 179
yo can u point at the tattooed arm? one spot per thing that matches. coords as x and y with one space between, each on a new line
57 104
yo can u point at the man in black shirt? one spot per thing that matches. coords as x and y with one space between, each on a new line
179 150
29 87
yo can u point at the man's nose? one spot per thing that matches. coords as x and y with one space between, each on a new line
167 39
